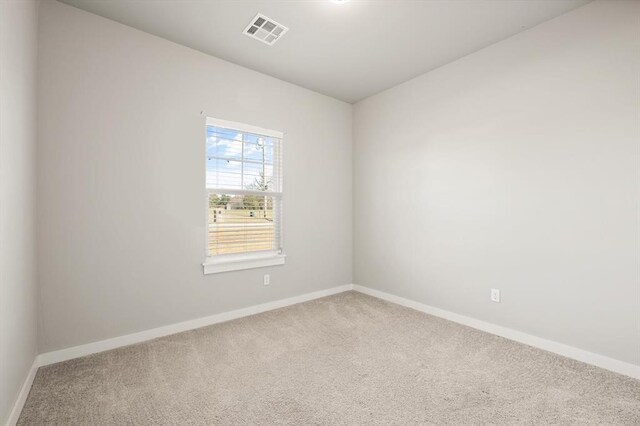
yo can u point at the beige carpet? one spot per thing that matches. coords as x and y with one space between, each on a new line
347 359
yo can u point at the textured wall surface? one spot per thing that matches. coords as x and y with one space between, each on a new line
121 180
18 293
514 168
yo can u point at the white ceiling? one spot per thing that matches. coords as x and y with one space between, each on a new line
348 51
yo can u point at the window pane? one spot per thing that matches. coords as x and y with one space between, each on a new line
242 223
224 173
239 160
258 177
224 143
258 148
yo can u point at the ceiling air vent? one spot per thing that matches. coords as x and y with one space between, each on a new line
264 29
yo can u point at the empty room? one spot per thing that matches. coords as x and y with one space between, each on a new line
319 212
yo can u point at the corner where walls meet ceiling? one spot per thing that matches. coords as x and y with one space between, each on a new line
348 50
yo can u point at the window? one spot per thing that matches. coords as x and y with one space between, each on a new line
244 197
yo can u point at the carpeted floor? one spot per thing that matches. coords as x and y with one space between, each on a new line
348 359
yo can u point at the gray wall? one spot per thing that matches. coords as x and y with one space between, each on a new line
18 295
515 168
121 180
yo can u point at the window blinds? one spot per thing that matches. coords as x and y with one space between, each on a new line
244 189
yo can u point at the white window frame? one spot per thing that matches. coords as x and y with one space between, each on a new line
235 262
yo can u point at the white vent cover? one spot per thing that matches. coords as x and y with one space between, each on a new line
264 29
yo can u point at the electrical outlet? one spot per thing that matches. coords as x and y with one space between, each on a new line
495 295
266 279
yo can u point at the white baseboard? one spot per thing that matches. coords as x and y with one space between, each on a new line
22 396
587 357
129 339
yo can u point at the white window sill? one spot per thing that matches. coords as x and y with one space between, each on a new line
215 265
